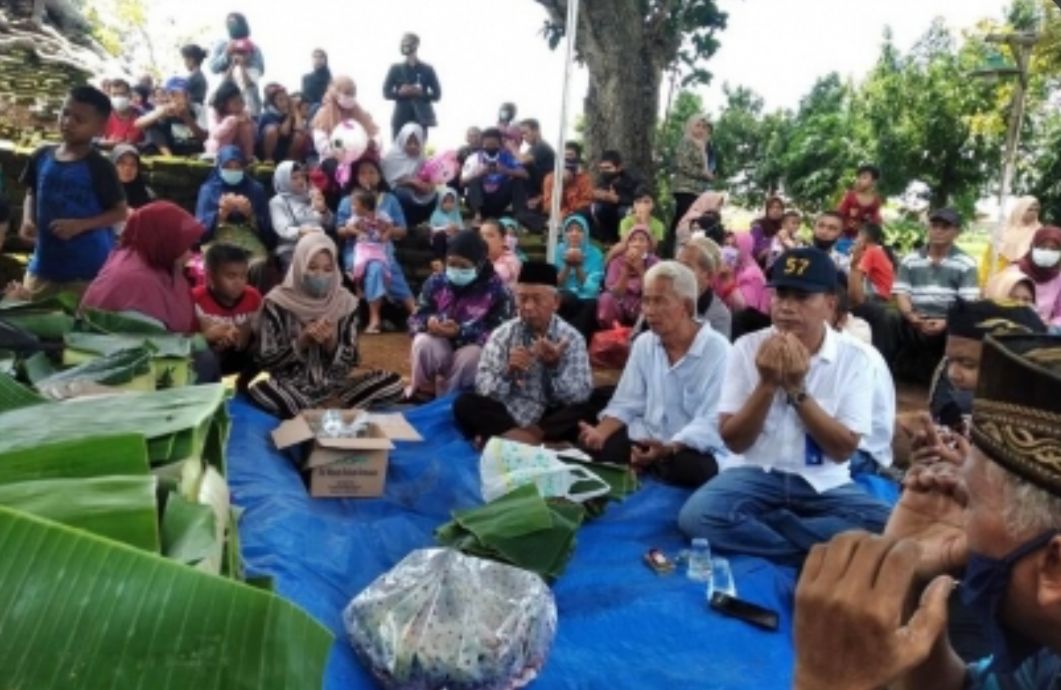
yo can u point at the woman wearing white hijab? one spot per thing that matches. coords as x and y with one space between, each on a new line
401 166
296 209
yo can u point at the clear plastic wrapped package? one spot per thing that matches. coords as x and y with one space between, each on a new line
440 619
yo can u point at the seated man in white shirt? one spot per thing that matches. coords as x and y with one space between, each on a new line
662 417
874 452
796 403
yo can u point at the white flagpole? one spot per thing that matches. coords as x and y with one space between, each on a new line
570 31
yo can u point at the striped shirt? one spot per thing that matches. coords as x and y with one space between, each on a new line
933 287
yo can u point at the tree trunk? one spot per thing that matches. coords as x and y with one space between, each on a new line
621 108
626 54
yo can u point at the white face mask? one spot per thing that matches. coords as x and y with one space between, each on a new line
120 103
346 102
1046 258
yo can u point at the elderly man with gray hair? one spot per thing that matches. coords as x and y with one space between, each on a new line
663 416
704 258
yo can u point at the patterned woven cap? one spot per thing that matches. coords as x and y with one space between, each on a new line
1017 408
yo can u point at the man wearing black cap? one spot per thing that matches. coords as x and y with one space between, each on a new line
871 611
534 374
928 282
795 404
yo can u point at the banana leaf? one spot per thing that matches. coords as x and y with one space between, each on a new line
188 530
45 325
124 454
110 322
176 422
64 302
91 345
82 611
125 369
37 367
14 395
122 508
520 528
170 354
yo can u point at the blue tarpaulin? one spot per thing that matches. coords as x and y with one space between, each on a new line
620 625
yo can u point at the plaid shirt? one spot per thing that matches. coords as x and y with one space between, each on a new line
527 395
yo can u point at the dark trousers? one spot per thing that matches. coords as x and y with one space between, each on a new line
580 313
606 218
481 416
511 192
912 355
682 202
688 467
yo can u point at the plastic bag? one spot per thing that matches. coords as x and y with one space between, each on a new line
506 465
609 349
440 619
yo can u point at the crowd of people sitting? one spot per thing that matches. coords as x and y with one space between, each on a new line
741 351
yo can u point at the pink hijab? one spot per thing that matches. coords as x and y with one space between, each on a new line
750 278
142 274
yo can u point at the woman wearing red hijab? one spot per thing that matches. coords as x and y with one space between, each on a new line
145 273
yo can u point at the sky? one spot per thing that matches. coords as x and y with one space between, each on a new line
489 51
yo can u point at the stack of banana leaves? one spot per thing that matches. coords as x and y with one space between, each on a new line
76 352
120 563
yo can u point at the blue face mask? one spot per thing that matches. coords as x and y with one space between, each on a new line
983 589
318 285
231 177
460 276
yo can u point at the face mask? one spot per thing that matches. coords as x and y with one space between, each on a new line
982 592
824 245
490 155
730 256
571 166
318 285
1046 258
505 115
609 176
231 177
120 103
460 276
347 102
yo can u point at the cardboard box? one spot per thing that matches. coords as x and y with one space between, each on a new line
346 467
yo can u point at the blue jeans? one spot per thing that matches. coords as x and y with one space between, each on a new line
864 463
775 515
374 285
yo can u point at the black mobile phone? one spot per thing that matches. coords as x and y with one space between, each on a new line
744 610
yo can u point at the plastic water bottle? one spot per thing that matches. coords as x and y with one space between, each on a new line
332 424
721 579
699 568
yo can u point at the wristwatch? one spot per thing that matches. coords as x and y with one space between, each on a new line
796 397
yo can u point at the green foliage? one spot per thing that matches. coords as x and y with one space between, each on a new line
697 21
929 120
904 234
685 29
748 144
822 149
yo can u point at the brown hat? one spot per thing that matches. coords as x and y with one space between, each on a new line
1017 407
